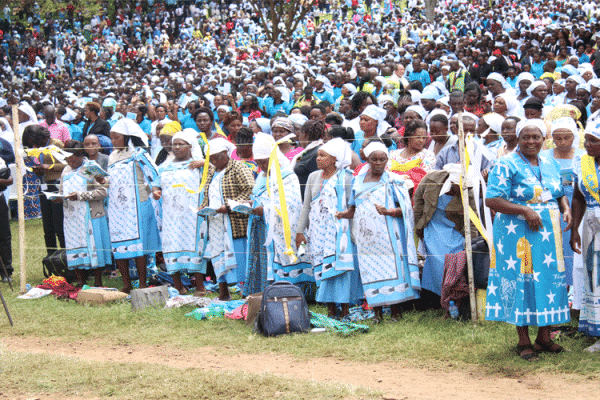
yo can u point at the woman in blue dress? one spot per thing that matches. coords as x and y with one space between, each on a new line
183 232
131 215
269 258
87 237
565 137
527 284
383 232
586 209
329 243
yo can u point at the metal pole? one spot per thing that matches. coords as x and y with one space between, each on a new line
467 219
20 202
6 309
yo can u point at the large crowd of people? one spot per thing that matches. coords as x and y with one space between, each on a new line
188 133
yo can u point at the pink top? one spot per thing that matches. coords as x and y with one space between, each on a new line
58 130
292 153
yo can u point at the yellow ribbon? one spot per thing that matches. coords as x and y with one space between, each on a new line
283 211
590 178
407 166
204 170
472 214
48 151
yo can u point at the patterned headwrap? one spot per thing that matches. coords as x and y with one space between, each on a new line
171 128
284 123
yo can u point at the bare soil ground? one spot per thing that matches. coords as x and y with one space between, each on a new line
395 380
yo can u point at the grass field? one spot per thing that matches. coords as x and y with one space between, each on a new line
421 338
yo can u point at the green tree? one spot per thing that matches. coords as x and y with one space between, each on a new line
85 8
287 13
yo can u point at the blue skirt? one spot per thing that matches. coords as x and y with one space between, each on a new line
343 288
238 274
102 243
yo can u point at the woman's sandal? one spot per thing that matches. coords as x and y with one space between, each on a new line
529 356
550 347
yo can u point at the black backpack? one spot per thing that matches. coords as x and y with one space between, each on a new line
56 264
283 310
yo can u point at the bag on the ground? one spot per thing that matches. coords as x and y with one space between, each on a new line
283 310
56 264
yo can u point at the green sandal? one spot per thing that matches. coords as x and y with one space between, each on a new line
529 356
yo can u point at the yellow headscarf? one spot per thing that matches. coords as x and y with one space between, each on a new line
171 128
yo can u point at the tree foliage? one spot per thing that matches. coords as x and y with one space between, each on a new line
283 16
82 8
430 9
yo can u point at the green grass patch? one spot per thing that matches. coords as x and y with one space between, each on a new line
421 338
26 373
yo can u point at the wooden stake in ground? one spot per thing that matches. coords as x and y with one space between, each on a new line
467 221
20 202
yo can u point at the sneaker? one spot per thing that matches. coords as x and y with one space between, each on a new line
6 279
595 348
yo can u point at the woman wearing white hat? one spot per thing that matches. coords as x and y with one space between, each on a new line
131 215
383 232
268 258
183 232
329 243
227 230
527 283
565 136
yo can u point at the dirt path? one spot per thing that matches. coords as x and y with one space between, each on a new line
396 380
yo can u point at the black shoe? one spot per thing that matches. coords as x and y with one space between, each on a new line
6 279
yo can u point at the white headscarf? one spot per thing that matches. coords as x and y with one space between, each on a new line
379 114
494 122
350 87
220 144
129 127
534 86
417 109
190 136
569 124
27 109
593 129
494 76
454 171
535 122
263 147
513 107
375 146
339 149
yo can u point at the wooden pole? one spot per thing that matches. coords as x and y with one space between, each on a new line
467 220
20 201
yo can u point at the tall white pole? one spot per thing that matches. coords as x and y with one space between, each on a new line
20 201
467 219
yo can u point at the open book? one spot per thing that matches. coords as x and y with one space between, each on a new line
207 212
90 169
236 206
53 195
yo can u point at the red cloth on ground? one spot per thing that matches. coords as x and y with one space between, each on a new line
60 287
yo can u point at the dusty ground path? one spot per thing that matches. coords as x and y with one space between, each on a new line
395 380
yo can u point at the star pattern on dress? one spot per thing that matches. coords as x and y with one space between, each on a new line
492 289
555 184
502 180
548 259
520 191
500 247
511 228
545 234
511 263
551 297
535 276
